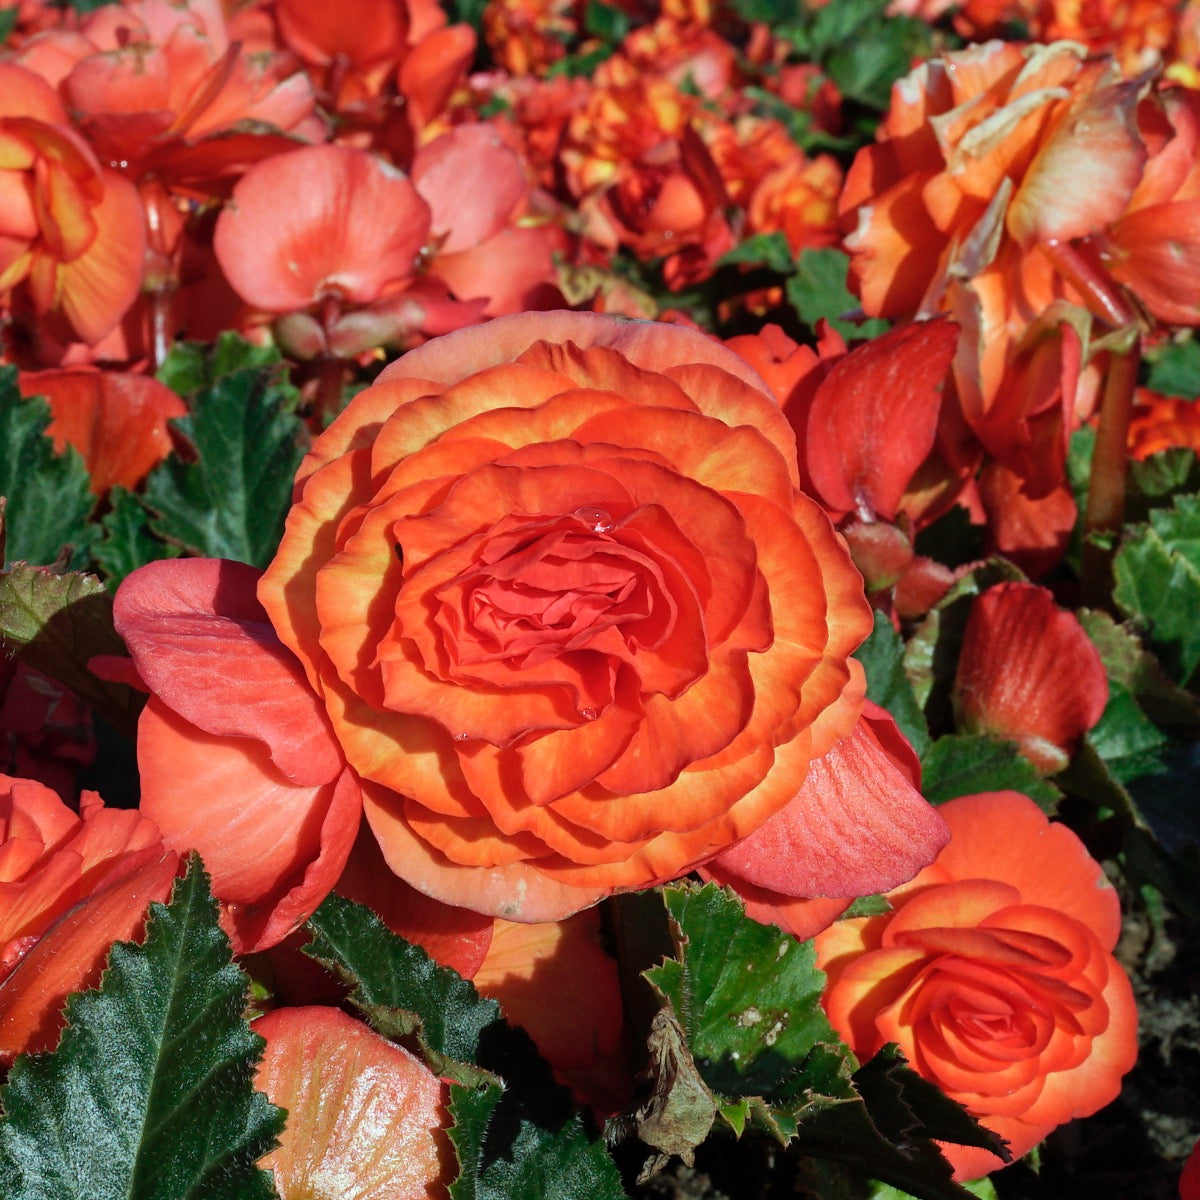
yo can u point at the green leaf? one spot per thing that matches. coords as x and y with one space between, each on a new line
818 289
59 622
747 996
882 657
149 1095
48 501
962 765
605 21
128 541
1175 369
8 21
761 249
1131 666
514 1129
769 12
231 502
1129 743
1154 480
1157 572
194 367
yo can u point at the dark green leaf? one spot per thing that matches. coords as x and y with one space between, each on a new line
1175 369
149 1095
194 367
1157 478
1128 742
882 657
818 289
961 765
48 501
605 21
1157 572
128 541
748 996
8 21
769 12
57 623
232 501
1131 666
762 249
532 1144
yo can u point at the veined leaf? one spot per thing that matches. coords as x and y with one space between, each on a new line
231 502
149 1095
47 497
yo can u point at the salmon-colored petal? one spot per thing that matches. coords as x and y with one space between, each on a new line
352 226
472 183
365 1117
202 645
100 285
857 825
116 420
71 955
274 848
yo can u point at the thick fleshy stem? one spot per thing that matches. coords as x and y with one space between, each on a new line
1100 295
1106 488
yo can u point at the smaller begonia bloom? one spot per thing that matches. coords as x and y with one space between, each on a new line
985 154
71 232
366 1118
116 420
70 885
573 622
1032 533
322 221
1161 422
234 751
993 973
1029 673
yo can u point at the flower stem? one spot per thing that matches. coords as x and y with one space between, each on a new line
1106 488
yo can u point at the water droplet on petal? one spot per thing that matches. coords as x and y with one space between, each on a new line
462 737
588 714
596 519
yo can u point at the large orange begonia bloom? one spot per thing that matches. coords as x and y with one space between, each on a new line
70 885
993 973
573 623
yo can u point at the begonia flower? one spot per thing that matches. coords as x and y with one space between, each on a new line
537 575
325 231
234 752
72 233
116 420
1161 422
1029 673
70 885
365 1118
993 972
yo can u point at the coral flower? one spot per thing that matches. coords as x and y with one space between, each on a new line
365 1117
572 621
116 420
1161 422
72 233
993 972
1029 673
70 885
326 231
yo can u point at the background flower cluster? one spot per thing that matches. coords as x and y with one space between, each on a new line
681 513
